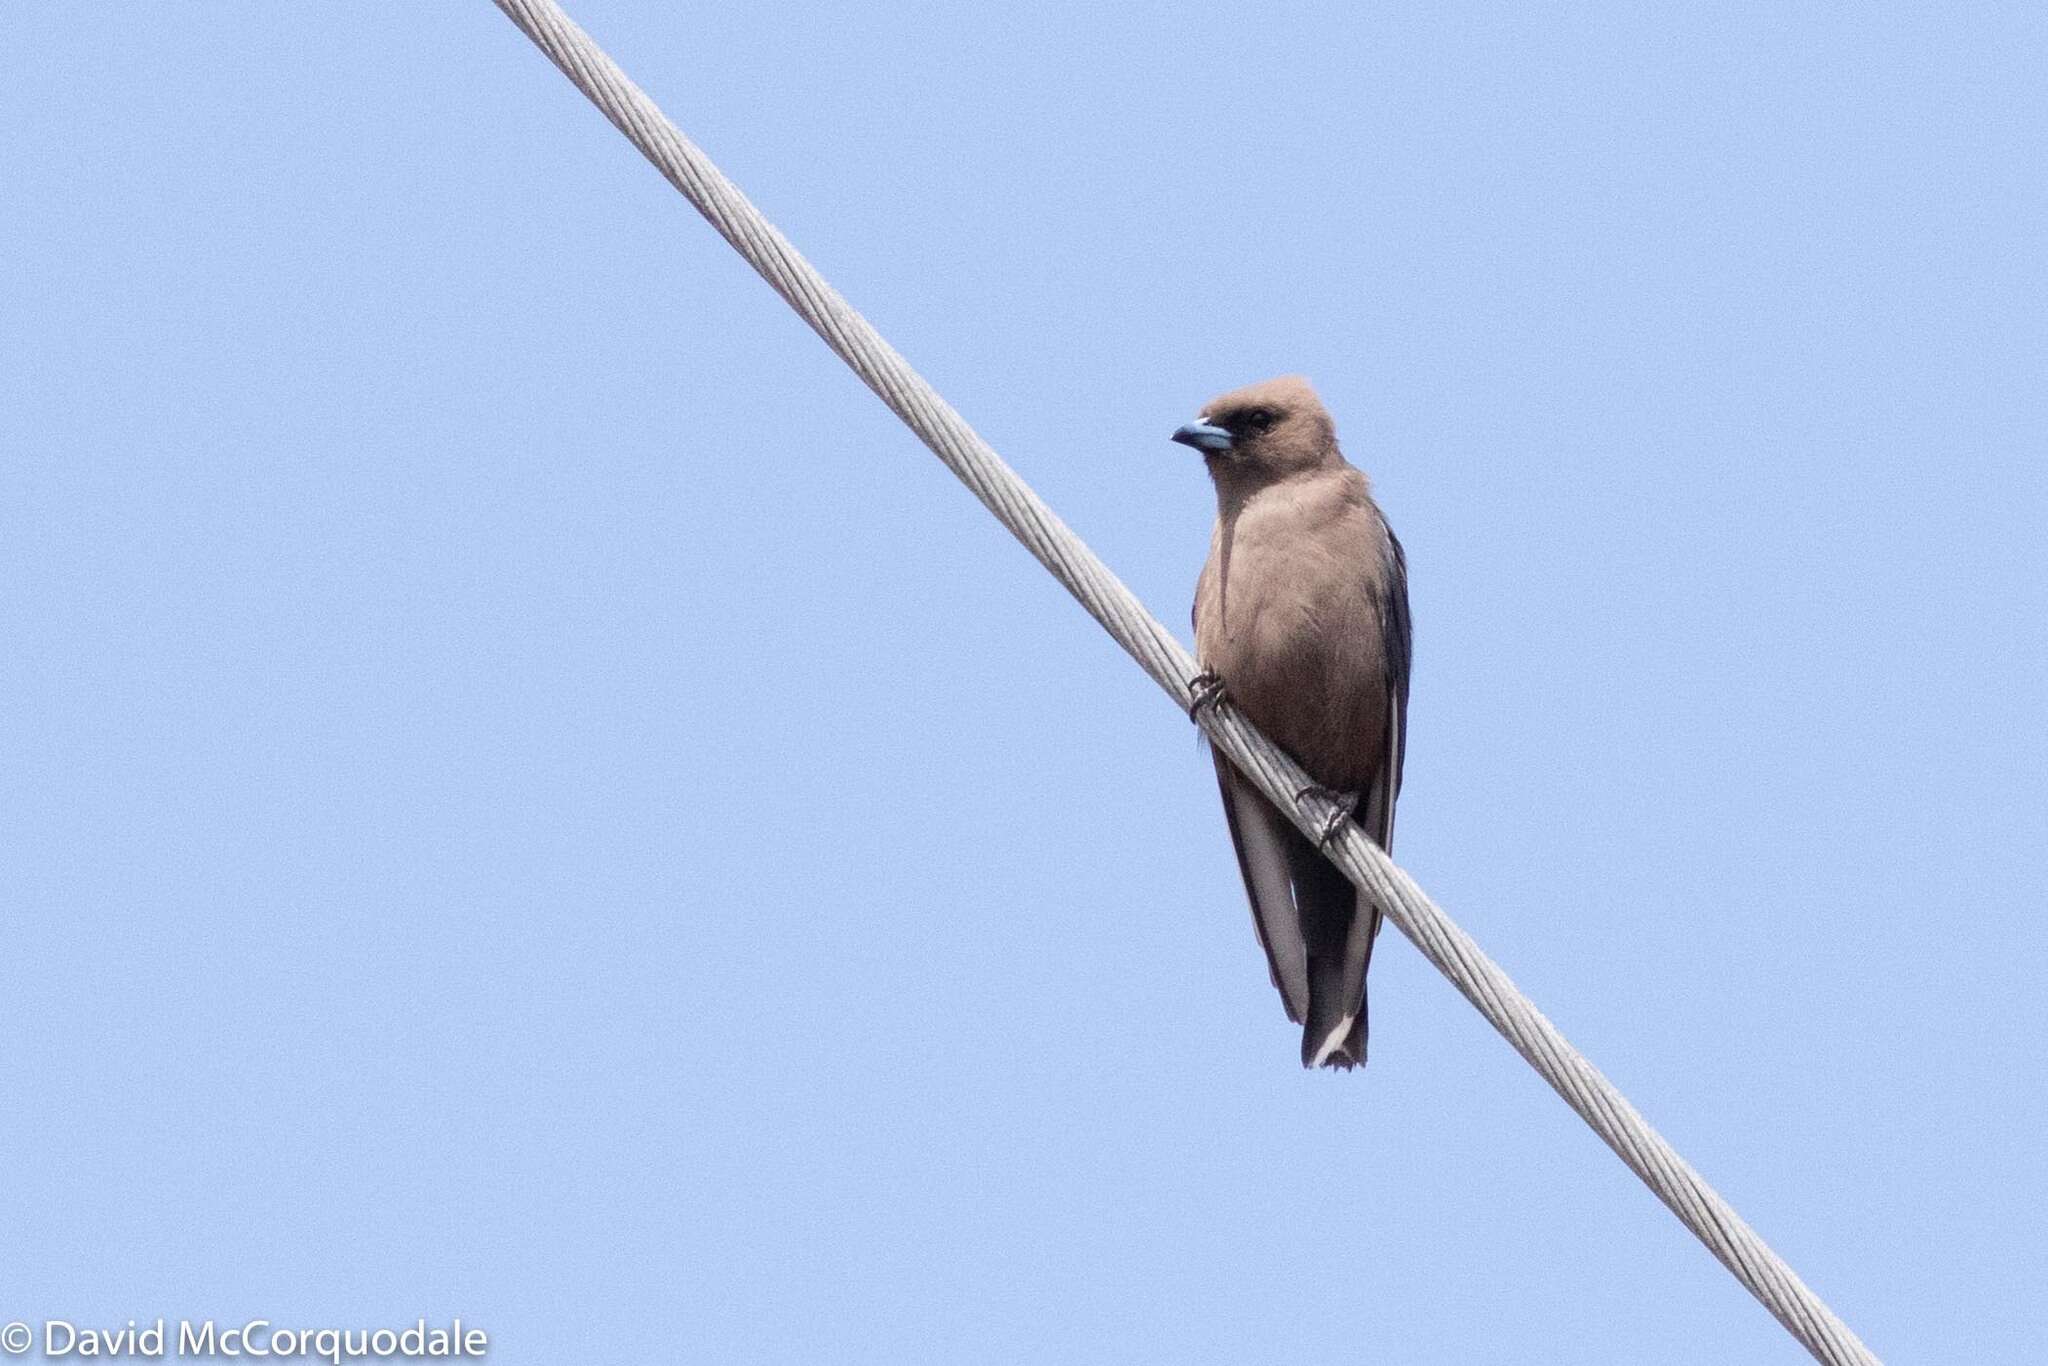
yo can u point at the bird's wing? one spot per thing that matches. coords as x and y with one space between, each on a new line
1376 811
1260 835
1339 940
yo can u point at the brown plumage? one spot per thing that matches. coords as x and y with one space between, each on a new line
1302 613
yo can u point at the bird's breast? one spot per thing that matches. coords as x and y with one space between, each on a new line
1288 614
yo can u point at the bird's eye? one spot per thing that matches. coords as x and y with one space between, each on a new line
1258 419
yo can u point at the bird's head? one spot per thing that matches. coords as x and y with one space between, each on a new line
1263 432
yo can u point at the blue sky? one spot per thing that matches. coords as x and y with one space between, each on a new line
531 797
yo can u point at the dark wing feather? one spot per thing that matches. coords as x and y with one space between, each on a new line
1339 942
1397 633
1263 839
1259 835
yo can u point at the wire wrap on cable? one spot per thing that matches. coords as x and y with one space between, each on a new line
1454 953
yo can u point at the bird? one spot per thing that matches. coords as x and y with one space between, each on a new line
1301 621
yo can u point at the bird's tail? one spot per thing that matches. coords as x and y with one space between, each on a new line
1328 1038
1338 926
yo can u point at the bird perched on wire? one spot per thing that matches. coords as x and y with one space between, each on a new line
1301 620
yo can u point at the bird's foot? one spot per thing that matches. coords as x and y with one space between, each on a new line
1331 810
1206 692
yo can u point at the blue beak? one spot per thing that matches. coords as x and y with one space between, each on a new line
1204 437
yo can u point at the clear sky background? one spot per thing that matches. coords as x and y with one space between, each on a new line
528 795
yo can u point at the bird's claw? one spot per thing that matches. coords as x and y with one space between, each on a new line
1206 693
1336 811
